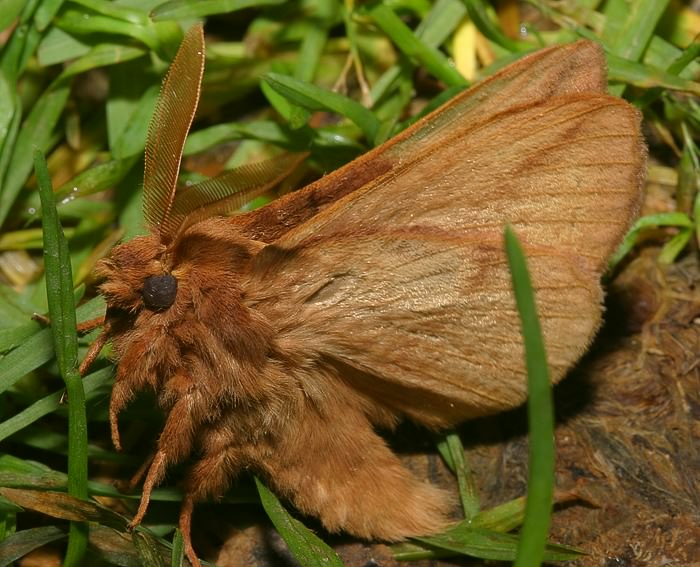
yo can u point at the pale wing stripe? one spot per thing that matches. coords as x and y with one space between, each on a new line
582 166
525 133
566 143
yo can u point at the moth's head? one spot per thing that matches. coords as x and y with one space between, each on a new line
147 274
136 276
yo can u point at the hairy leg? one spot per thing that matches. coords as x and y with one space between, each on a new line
176 439
210 477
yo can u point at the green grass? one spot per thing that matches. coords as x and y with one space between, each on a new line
59 292
270 67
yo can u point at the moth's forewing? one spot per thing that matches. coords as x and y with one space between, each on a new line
566 172
169 126
558 70
405 279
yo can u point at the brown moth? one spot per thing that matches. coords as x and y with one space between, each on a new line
278 340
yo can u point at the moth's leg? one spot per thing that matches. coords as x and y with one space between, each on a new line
122 394
83 327
186 528
133 482
156 472
90 357
91 324
131 378
175 442
210 477
94 351
335 467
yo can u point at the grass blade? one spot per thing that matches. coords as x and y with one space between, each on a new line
308 549
540 486
59 291
183 9
312 97
95 382
178 552
35 133
451 448
19 544
677 220
37 350
477 10
433 60
464 539
641 19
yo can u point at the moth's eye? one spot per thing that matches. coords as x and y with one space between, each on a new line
159 292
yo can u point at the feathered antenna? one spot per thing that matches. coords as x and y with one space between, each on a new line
168 214
168 130
227 192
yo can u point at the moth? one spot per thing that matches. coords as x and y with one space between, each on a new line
278 341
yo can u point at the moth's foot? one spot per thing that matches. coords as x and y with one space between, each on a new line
186 529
